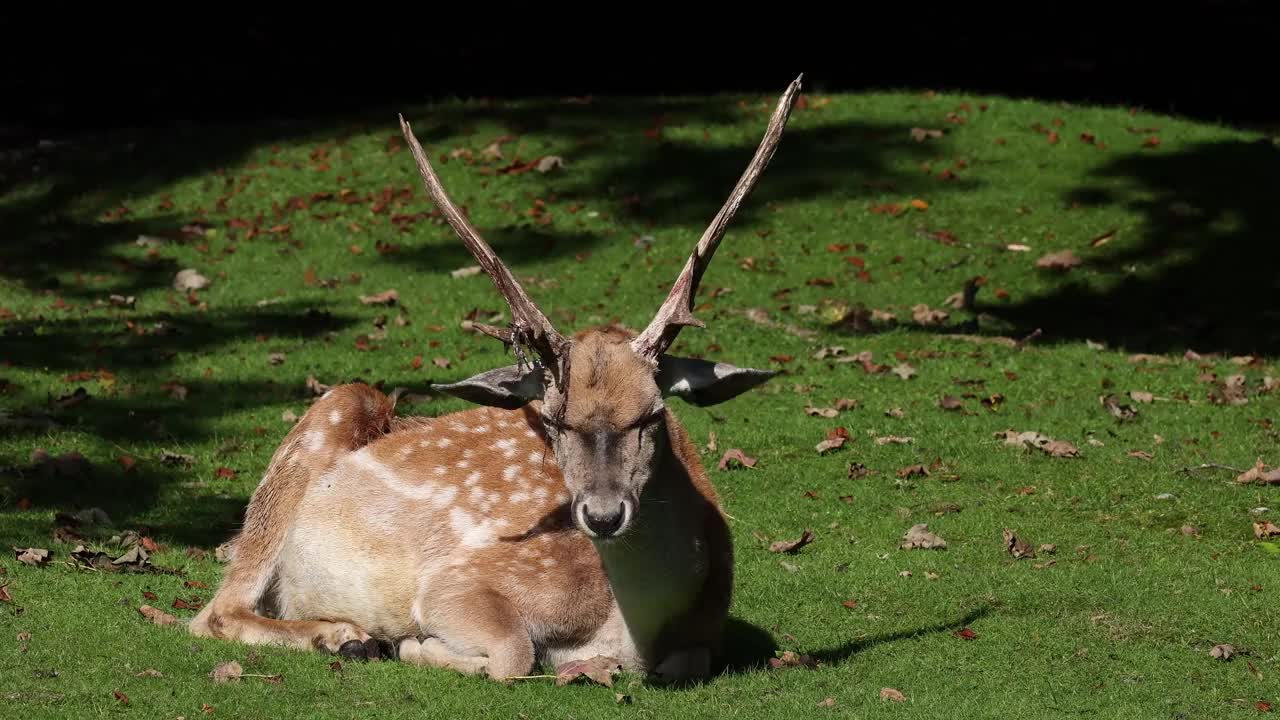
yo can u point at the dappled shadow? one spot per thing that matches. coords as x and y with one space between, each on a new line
837 655
1202 273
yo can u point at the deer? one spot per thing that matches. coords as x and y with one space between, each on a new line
565 517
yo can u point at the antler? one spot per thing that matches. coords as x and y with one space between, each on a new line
529 326
677 310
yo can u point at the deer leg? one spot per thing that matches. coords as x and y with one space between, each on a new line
474 632
684 665
345 419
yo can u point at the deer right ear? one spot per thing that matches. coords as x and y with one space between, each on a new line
507 387
703 383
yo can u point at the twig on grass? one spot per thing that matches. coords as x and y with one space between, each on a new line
1212 466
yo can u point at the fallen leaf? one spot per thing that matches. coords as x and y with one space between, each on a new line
188 280
919 537
157 616
1222 652
735 455
149 673
793 546
226 671
922 134
892 694
1016 546
1103 239
904 371
1139 396
894 440
789 659
913 471
276 358
836 438
923 315
851 604
440 362
1111 403
829 702
1141 455
124 699
966 634
820 412
386 297
467 271
32 556
1259 474
549 163
1062 260
599 669
1032 439
951 402
1265 529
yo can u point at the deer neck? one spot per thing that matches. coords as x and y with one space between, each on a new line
658 568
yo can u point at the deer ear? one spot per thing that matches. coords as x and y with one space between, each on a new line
703 383
507 387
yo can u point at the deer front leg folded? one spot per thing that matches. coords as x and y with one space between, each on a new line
472 631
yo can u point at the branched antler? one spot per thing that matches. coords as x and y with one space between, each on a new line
677 311
529 326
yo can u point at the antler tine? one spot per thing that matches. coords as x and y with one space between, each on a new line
677 310
529 326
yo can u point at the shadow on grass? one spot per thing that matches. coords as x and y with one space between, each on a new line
749 648
1201 275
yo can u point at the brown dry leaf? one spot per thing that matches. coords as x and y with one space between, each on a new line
150 673
1062 260
32 556
1141 455
735 455
793 546
1265 529
923 315
1222 652
913 471
441 362
836 438
790 659
386 297
599 669
226 671
846 404
1259 474
904 371
1139 396
1229 391
922 134
892 694
157 616
820 412
919 537
951 402
1123 413
1016 546
550 162
1032 439
895 412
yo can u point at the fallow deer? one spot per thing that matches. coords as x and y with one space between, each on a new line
565 517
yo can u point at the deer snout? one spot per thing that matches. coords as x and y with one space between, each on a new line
603 517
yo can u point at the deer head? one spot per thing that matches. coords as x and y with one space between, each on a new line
601 393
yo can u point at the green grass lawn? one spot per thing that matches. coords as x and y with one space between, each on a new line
176 400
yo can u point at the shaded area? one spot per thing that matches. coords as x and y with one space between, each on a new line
1201 275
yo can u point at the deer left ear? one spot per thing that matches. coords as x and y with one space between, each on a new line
507 387
703 383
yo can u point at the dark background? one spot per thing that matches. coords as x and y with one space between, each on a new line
90 70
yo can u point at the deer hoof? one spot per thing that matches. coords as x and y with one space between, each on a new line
354 650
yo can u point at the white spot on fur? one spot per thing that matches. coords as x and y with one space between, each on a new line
468 453
404 451
457 426
548 562
443 442
530 434
540 493
480 429
472 479
517 498
438 497
471 533
462 465
509 472
315 440
335 417
477 495
506 445
438 471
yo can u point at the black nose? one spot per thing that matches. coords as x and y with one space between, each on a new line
603 524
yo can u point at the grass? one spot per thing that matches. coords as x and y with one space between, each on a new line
1119 620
